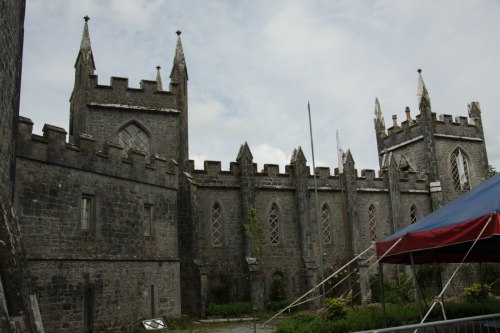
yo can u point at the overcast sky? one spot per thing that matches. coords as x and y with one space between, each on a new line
254 65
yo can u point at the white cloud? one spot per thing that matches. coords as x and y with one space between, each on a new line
254 65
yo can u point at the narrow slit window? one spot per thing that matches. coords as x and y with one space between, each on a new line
325 224
274 224
372 225
88 307
152 304
216 225
86 213
148 220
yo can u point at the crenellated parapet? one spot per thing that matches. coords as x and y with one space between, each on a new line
270 177
119 95
52 148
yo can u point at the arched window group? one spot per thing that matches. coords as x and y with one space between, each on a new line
460 170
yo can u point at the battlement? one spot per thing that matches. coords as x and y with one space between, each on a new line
119 95
411 129
212 175
52 148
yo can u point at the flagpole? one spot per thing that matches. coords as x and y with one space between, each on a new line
320 239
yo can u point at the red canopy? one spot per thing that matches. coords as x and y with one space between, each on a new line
448 233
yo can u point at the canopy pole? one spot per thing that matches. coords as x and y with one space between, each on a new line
440 296
417 287
382 296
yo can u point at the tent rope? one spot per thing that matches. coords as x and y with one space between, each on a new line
318 285
439 298
294 303
359 278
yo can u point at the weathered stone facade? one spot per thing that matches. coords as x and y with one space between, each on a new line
119 226
18 306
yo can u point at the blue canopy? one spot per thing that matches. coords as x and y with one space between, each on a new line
448 233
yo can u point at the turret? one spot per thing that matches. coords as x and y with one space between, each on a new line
178 85
380 133
424 101
84 67
159 84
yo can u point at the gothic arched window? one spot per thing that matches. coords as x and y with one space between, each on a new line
132 136
413 214
216 218
274 224
372 225
460 170
325 224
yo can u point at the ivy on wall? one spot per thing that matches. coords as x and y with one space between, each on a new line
253 231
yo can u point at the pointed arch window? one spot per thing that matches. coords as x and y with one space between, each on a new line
274 224
460 170
132 136
216 225
325 224
413 214
372 225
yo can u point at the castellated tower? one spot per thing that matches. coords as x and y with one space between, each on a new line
451 151
99 215
146 118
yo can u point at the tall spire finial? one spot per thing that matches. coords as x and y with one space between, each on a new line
85 48
159 85
378 110
424 102
179 67
85 44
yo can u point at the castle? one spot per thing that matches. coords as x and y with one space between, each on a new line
112 224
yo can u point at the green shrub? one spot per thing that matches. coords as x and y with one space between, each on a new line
336 308
370 317
469 309
399 290
477 292
275 306
230 310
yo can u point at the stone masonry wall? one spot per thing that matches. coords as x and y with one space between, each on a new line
121 292
110 266
16 300
223 187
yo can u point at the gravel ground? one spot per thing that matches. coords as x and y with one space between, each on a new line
239 327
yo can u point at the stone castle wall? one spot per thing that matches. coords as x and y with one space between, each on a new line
112 262
215 186
18 310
